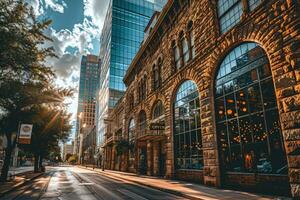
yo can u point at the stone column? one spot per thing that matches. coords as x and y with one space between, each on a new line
155 158
113 157
149 158
211 169
288 91
169 159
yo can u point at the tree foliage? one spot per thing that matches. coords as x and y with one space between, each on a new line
22 37
27 91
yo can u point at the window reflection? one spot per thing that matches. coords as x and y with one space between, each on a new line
187 134
230 12
248 125
131 135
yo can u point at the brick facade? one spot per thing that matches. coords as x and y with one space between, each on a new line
273 25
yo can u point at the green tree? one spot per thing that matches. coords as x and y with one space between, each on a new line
50 126
22 36
26 85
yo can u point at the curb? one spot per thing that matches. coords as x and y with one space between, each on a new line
18 185
174 192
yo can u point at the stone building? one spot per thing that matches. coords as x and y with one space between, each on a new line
213 96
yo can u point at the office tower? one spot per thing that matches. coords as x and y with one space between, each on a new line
89 79
121 37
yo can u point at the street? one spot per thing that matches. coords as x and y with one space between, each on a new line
74 183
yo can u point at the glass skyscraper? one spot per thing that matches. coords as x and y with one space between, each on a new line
121 37
88 84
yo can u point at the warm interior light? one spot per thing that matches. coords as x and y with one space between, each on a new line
229 112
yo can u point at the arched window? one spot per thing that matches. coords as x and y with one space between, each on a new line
142 89
191 39
158 110
142 121
131 129
131 101
231 11
248 127
185 48
187 129
176 55
157 74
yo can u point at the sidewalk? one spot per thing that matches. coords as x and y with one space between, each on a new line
181 188
19 180
18 170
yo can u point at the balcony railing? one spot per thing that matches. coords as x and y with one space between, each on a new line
112 139
150 135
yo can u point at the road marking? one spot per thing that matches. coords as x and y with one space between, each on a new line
83 184
131 194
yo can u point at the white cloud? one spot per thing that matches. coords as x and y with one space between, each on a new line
55 5
71 44
96 10
37 6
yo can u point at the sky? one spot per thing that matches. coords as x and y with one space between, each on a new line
75 31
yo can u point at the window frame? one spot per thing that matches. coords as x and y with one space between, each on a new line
248 111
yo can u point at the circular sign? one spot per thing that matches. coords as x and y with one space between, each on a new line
26 129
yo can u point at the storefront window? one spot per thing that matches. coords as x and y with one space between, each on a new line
187 130
131 135
248 125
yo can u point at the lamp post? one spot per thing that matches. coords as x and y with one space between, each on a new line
77 149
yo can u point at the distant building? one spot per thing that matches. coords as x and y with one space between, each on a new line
67 149
121 37
89 79
88 146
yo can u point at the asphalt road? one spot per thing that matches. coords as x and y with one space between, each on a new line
68 183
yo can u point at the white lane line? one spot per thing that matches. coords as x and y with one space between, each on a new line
131 194
83 184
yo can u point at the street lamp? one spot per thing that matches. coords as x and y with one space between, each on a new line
78 142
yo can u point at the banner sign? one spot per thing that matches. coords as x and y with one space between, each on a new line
25 134
157 126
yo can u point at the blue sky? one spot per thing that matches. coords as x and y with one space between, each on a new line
75 31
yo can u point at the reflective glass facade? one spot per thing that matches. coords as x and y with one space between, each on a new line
88 84
121 38
247 116
187 128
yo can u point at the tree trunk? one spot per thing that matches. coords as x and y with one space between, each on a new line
36 163
5 168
